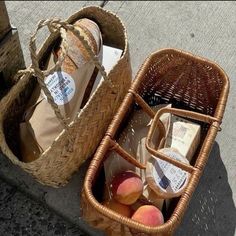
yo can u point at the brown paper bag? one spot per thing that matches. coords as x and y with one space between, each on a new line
133 140
69 87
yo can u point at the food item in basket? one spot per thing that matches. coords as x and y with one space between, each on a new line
183 135
151 197
148 215
133 139
126 187
118 207
164 177
70 87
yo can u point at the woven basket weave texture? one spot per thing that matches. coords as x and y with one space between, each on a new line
57 164
197 89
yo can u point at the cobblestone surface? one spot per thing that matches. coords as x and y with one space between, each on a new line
20 215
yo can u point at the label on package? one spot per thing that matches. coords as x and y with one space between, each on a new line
61 86
169 178
184 136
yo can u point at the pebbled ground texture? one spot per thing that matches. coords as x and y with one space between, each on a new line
20 215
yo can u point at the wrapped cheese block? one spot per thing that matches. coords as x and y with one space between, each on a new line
184 136
162 176
70 87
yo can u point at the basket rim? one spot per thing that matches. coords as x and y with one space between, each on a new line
191 55
181 206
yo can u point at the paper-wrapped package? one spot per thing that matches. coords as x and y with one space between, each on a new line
70 87
184 136
163 177
181 135
133 139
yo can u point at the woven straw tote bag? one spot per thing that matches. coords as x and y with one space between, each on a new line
80 138
198 89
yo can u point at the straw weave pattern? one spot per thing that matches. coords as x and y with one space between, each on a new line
57 164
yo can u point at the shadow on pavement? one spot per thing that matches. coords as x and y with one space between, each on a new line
211 210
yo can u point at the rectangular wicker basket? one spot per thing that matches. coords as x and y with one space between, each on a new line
197 89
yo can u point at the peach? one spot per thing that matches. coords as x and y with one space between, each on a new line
126 187
120 208
148 215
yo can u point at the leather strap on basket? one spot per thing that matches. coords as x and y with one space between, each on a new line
55 26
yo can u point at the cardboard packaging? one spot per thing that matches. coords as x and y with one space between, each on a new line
184 136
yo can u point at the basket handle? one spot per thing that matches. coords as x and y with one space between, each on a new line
55 25
183 113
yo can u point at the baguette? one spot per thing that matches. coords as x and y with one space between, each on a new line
70 88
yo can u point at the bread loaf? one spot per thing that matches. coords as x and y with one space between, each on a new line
69 87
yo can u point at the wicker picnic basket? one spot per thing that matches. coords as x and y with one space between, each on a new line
80 138
198 89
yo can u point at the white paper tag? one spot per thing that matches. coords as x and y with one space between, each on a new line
183 135
61 86
109 59
169 178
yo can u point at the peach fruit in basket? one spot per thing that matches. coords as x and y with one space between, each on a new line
148 215
120 208
126 187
